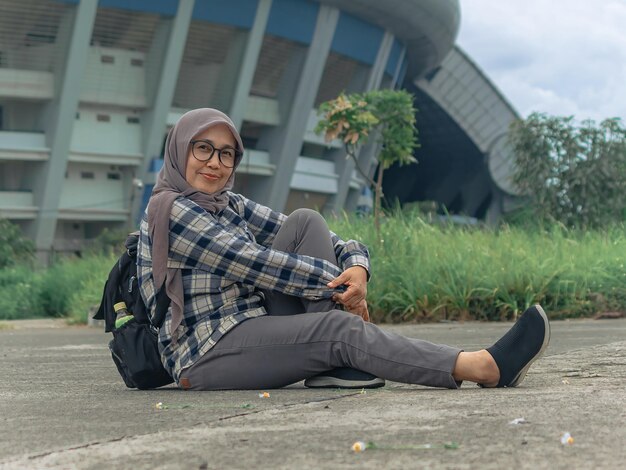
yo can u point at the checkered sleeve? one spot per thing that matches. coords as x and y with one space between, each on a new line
262 221
199 241
265 222
351 253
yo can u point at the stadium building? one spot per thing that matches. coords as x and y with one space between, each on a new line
89 89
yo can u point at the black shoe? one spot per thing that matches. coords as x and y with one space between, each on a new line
523 344
344 377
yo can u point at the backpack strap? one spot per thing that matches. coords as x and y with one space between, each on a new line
111 294
162 305
131 244
162 300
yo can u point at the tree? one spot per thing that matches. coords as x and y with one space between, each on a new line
14 246
387 114
572 174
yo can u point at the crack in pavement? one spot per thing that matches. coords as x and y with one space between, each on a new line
222 418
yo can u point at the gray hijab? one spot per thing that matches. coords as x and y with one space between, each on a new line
171 184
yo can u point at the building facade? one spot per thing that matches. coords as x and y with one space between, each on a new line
89 89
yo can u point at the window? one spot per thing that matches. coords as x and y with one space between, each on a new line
103 118
107 59
132 120
87 175
136 62
114 176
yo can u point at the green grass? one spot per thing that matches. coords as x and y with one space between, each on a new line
423 272
420 272
85 301
69 289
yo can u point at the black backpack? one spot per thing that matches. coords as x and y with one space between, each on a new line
134 346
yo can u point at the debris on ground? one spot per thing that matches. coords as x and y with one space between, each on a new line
361 446
264 395
163 406
518 421
567 439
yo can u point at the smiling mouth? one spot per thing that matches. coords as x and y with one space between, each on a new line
209 177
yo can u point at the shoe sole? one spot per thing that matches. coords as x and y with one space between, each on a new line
546 340
332 382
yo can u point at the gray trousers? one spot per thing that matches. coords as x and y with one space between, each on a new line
300 338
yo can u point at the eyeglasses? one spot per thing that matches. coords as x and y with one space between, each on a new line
203 150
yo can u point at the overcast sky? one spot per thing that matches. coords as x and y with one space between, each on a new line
562 57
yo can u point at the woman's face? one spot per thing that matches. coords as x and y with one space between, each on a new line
209 176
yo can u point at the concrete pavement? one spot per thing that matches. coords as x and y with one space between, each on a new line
62 405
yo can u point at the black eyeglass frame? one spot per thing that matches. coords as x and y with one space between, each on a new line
238 153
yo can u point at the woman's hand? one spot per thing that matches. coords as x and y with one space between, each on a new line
361 310
356 280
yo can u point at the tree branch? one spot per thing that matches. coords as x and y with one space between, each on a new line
356 165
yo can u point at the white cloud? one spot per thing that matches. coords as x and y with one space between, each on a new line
561 57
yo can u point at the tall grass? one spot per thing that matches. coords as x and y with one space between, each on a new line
420 272
426 272
70 288
84 301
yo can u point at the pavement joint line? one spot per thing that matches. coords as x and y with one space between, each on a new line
291 405
82 446
117 439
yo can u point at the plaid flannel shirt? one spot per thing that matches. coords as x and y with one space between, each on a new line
225 260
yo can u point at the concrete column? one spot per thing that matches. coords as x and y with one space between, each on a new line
229 73
285 144
395 81
346 167
60 126
378 69
153 63
249 62
154 119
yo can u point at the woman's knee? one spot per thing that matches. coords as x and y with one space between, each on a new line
307 218
304 214
305 232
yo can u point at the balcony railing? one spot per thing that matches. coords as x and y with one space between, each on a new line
312 174
26 84
20 146
17 205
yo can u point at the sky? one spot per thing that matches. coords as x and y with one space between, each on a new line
561 57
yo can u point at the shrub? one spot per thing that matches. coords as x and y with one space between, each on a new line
108 243
18 293
68 288
14 246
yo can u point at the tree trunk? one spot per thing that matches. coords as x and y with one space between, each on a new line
377 199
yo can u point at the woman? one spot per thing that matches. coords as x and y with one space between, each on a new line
254 294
